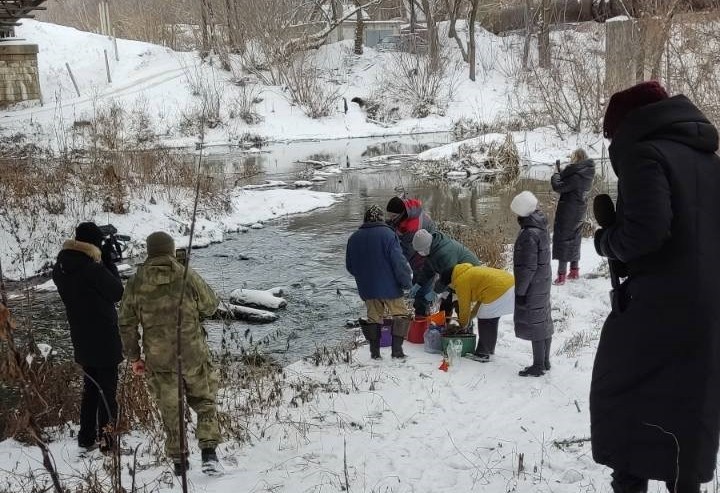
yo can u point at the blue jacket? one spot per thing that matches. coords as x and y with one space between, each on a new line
375 259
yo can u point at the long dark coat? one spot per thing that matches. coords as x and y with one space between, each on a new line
533 279
89 291
657 370
573 184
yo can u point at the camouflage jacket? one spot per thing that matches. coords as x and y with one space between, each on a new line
150 300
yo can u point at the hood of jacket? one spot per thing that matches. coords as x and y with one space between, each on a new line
413 208
375 224
459 270
675 119
76 254
161 269
585 168
535 220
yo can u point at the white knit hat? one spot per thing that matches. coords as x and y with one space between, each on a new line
524 204
421 242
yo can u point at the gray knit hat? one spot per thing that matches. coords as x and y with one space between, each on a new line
422 241
160 243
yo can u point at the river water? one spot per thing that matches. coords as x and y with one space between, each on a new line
305 254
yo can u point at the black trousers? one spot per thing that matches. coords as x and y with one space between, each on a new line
627 483
98 408
487 335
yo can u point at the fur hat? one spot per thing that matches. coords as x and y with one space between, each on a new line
524 204
373 214
623 102
422 241
160 243
396 206
89 233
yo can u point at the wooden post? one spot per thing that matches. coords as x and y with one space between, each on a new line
117 53
72 78
102 18
107 67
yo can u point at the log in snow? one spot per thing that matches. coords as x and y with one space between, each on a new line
229 311
257 299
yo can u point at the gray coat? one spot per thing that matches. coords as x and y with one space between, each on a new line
533 279
573 184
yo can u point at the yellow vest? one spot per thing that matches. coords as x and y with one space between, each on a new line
478 284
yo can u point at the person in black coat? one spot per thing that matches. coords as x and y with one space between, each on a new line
573 184
89 286
654 396
375 259
533 277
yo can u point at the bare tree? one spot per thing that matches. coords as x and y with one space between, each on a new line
471 44
359 29
432 33
544 34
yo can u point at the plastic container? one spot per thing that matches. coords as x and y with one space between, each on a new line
438 319
433 340
468 342
416 334
386 333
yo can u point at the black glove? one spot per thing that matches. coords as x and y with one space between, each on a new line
520 300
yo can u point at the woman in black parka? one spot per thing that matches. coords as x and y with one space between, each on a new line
573 184
655 392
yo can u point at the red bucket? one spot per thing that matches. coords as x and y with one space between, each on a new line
416 334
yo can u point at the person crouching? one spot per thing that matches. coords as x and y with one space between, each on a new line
376 261
533 281
484 292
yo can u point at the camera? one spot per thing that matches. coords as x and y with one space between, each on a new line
113 242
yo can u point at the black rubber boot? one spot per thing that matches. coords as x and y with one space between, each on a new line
400 328
372 335
397 351
210 463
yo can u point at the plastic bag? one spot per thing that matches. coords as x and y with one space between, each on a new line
433 340
454 352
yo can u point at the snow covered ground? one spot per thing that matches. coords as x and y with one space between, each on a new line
161 83
409 427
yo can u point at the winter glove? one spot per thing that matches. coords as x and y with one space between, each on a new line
520 300
413 290
601 242
138 367
430 296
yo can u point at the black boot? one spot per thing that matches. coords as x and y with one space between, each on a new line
548 343
210 463
532 371
178 466
400 328
372 335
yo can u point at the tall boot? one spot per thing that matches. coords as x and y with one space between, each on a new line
372 336
574 273
548 343
538 367
400 328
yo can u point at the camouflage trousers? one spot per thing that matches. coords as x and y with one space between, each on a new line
201 385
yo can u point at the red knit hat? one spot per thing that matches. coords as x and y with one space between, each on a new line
623 102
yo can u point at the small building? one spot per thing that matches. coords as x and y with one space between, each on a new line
374 30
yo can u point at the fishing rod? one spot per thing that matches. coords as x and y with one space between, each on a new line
178 334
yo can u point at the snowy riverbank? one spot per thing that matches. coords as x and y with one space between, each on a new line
409 427
38 240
